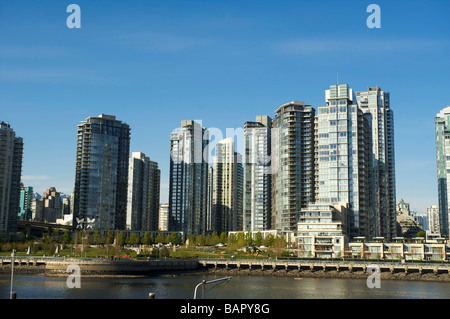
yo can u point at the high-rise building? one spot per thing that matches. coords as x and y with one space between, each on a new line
101 177
227 199
188 180
143 193
163 217
343 145
433 225
257 174
26 196
442 123
52 205
293 163
375 105
11 153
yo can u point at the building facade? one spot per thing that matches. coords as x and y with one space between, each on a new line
26 197
375 104
343 144
227 196
11 154
433 225
292 163
257 175
51 206
143 193
101 174
442 123
188 180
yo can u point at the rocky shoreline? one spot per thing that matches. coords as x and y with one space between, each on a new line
343 274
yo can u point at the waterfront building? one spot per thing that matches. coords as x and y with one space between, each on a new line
227 197
322 230
257 174
188 180
101 174
143 193
442 123
343 157
11 154
375 104
292 162
26 196
433 225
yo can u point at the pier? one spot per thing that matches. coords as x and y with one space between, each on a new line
323 265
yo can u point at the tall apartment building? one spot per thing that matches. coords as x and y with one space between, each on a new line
188 180
26 197
101 175
163 217
257 174
343 145
52 205
227 199
143 193
375 104
442 122
433 225
11 154
293 160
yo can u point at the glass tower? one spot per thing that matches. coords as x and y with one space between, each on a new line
342 155
227 188
101 174
443 167
143 193
11 153
257 174
382 198
293 158
188 181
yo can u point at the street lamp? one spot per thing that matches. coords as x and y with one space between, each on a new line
12 295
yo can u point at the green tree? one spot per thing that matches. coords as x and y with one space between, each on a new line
200 240
97 237
147 238
66 237
160 238
421 234
134 239
164 252
223 238
174 239
258 239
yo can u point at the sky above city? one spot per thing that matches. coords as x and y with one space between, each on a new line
153 64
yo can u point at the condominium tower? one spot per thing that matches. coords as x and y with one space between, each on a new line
293 159
11 153
442 123
143 193
227 194
257 174
375 105
101 174
188 180
343 144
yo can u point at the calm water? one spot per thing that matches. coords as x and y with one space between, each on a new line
239 287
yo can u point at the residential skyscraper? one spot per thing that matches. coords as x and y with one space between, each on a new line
101 176
26 197
343 144
11 154
143 193
375 104
188 180
293 162
433 219
257 174
52 205
227 199
442 123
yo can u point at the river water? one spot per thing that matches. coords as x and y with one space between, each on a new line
239 287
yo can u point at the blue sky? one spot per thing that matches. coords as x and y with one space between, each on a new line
155 63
